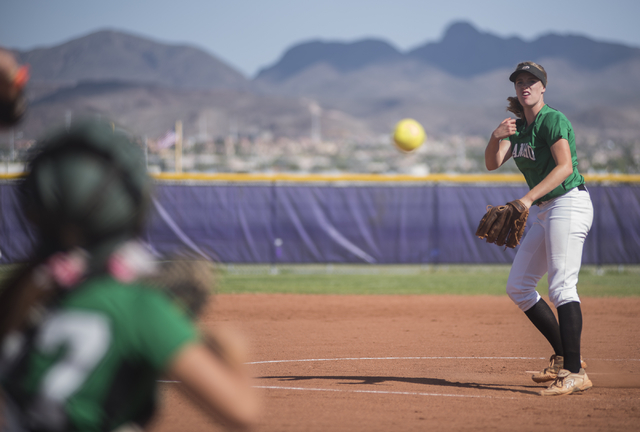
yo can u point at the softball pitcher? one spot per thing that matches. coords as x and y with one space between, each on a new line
542 143
83 340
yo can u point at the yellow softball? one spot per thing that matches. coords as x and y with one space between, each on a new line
408 135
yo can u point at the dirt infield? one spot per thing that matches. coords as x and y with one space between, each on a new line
415 363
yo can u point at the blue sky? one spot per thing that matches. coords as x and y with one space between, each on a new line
252 34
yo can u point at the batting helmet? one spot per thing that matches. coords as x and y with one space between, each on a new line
87 187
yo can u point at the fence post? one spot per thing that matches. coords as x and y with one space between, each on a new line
596 221
435 224
276 242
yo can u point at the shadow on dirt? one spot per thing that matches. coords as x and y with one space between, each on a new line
372 380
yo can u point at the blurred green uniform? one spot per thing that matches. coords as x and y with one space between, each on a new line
98 353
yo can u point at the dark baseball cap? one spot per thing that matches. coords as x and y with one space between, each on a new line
532 69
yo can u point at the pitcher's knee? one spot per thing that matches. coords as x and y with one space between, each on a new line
561 296
524 297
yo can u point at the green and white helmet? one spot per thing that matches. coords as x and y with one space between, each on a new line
86 187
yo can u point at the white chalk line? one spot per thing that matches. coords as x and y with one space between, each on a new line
382 392
417 358
394 358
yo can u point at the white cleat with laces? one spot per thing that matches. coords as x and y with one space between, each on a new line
568 383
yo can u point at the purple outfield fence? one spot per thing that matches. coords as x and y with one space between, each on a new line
376 222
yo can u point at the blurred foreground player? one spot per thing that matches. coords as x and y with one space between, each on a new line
83 339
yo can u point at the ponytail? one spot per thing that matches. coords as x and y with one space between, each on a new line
25 289
515 107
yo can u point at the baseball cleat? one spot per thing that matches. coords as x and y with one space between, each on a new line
550 373
568 383
556 363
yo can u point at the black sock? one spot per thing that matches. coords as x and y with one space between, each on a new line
545 321
570 320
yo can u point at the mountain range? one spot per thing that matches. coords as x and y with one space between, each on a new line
462 52
454 86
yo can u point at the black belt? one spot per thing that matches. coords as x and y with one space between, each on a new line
582 187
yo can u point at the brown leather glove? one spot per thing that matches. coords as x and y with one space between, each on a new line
504 225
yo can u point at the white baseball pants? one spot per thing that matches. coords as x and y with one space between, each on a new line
552 245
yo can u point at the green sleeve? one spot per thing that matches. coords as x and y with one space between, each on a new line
163 329
555 127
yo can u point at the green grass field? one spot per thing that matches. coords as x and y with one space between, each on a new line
609 281
443 279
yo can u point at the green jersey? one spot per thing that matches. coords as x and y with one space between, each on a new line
95 359
531 150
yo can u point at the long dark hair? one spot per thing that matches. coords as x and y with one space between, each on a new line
23 289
